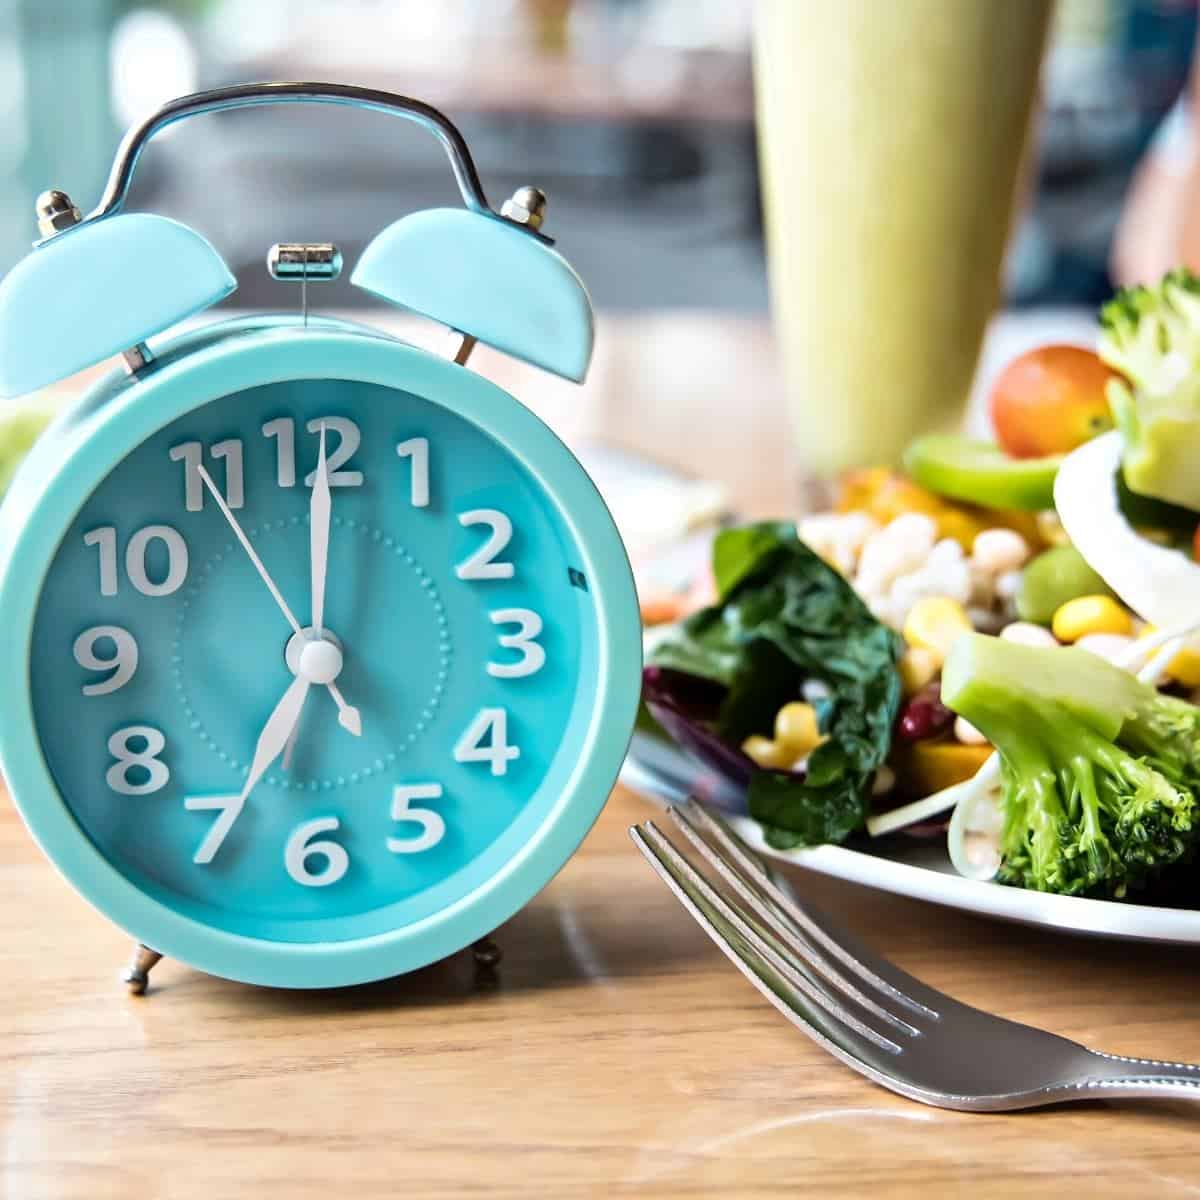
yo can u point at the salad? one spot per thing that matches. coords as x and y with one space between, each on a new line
996 645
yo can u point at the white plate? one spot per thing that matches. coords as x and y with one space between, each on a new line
914 868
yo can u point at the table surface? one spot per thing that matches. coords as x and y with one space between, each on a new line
616 1052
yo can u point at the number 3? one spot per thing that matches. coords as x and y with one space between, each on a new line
533 656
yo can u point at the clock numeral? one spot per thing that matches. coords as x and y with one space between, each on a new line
482 563
146 761
228 808
192 454
433 827
123 662
283 428
490 724
418 450
533 656
300 848
105 540
349 438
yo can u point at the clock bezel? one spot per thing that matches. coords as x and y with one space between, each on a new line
80 450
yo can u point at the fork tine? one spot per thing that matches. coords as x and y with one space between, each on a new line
696 892
756 975
781 926
752 868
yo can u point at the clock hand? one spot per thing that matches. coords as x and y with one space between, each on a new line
276 732
286 762
241 537
320 512
318 533
348 716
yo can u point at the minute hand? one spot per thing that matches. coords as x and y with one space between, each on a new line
320 509
241 537
319 513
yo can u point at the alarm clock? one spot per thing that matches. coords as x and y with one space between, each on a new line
323 651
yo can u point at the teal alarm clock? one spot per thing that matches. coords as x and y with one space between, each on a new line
323 651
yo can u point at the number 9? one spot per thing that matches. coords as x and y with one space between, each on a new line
123 663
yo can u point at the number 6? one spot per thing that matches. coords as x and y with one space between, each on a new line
300 848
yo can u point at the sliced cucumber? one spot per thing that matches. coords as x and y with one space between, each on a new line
980 472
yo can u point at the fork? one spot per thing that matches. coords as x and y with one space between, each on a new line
876 1018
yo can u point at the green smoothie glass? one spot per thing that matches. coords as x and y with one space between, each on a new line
891 136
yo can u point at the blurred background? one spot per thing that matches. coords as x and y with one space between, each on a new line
637 116
899 185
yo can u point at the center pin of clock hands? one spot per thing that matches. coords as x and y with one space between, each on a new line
348 715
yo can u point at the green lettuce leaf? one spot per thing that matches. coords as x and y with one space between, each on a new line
785 617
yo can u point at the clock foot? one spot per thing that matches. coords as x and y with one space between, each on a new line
487 954
136 976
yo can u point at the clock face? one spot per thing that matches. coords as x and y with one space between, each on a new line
360 775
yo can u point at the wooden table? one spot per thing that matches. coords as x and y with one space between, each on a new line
616 1053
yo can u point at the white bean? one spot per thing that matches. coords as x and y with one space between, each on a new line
934 579
946 553
1027 634
999 550
855 528
898 549
1109 646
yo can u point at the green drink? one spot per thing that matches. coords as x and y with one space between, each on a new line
891 137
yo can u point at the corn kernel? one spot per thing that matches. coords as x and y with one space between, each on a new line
1090 614
935 623
917 668
1185 667
767 753
796 728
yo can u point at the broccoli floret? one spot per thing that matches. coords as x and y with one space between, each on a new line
1152 336
1099 771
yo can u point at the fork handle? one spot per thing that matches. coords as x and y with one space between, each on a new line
1144 1077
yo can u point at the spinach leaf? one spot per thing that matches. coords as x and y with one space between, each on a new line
784 617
